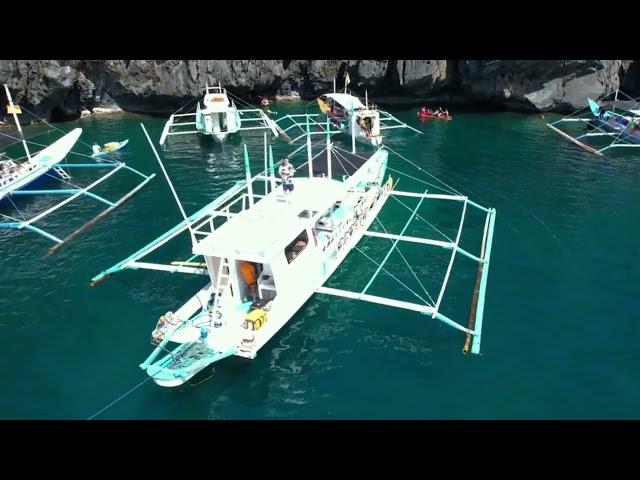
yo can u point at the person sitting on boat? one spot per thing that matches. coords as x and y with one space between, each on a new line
286 172
446 112
423 109
250 276
96 148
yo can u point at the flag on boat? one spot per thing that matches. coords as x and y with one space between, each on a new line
14 109
347 80
324 106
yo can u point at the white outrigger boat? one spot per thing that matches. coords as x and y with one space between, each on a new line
218 117
290 246
346 114
19 178
614 117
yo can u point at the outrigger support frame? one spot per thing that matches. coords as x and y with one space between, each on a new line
201 222
73 194
474 329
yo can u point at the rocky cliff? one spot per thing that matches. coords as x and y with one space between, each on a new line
61 89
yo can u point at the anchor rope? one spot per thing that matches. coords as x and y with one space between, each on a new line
53 126
418 179
188 102
452 190
16 207
43 145
119 398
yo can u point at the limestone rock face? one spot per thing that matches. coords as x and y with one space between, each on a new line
63 89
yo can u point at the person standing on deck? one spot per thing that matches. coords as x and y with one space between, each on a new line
250 276
286 172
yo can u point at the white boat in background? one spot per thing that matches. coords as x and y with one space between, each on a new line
19 178
349 114
363 122
217 117
264 255
16 175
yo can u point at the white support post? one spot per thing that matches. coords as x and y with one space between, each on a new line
309 155
15 118
329 172
266 157
353 130
194 242
247 171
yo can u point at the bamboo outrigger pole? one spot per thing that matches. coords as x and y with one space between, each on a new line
175 195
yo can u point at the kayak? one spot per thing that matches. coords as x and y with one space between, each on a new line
425 116
110 147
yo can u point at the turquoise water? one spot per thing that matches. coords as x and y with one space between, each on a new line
561 319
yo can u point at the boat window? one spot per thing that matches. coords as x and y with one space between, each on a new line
307 213
297 246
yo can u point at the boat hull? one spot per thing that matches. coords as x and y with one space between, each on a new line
37 178
46 161
228 340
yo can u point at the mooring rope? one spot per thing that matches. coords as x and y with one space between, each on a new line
52 126
16 207
45 146
418 179
119 398
452 190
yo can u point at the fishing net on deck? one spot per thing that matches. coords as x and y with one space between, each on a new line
190 355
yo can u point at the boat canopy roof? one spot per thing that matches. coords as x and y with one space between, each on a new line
262 232
218 89
346 101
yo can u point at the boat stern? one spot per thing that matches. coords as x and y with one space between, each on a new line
183 363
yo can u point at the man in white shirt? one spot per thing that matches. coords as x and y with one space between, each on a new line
286 172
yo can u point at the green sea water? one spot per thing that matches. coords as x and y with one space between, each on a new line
562 313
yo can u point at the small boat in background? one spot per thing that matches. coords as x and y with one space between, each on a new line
612 118
218 117
426 114
108 148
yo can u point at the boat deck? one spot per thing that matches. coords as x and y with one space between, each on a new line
275 220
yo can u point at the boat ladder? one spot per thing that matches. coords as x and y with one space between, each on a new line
60 171
222 282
